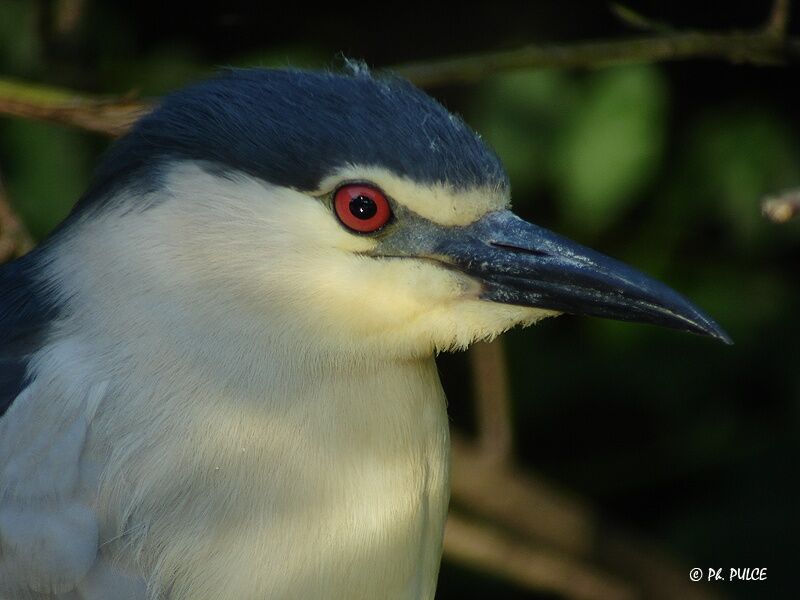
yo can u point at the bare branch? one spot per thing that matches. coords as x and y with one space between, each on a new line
637 20
492 400
491 550
777 24
783 207
563 525
14 238
519 501
109 116
755 48
68 15
767 46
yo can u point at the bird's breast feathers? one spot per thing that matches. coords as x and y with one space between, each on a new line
300 490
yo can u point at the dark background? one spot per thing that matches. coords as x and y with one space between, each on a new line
692 444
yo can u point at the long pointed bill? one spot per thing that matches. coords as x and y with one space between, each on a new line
520 263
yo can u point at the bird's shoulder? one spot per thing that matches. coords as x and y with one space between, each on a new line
48 523
27 309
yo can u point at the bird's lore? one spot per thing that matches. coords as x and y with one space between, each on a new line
217 375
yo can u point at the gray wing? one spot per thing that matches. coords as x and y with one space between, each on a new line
48 527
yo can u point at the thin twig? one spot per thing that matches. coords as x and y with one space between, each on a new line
519 501
109 116
756 48
14 238
783 207
564 525
68 15
778 21
490 550
766 46
492 400
637 20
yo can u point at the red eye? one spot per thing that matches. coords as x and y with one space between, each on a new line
362 208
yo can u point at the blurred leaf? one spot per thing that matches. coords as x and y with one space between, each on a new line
611 146
519 115
20 47
45 170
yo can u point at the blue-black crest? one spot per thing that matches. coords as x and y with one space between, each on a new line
294 127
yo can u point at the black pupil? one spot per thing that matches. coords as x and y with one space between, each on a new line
363 207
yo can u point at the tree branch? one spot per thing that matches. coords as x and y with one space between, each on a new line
14 238
778 21
109 116
560 525
637 20
488 549
492 400
758 48
768 45
783 207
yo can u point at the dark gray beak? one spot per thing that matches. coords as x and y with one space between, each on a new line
520 263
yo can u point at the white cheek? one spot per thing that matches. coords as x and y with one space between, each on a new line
221 256
371 295
406 306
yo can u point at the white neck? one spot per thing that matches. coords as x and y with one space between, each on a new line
233 466
237 457
335 487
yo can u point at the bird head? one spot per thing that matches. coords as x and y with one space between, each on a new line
352 212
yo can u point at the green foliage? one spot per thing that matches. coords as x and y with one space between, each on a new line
46 170
597 140
20 49
737 157
521 115
611 146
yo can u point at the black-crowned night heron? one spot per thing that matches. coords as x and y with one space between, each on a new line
218 372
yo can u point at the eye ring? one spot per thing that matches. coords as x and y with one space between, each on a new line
361 207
